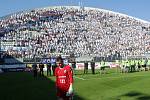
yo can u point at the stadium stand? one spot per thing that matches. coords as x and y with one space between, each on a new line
70 29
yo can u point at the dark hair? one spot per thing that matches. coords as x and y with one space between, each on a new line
59 58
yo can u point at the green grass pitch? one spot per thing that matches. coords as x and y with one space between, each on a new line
110 86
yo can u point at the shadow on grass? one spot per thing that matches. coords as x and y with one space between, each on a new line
23 86
135 95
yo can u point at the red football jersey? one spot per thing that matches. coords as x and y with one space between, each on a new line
64 76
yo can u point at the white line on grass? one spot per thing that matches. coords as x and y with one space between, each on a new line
79 78
114 77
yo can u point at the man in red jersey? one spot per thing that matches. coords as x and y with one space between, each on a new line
64 80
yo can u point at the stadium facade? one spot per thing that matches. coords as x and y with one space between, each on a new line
72 30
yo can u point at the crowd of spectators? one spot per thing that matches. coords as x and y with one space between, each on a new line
67 30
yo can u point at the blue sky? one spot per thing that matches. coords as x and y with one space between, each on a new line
135 8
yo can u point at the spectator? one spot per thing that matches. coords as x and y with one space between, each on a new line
85 32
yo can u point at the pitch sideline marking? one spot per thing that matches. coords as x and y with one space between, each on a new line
109 77
116 77
79 78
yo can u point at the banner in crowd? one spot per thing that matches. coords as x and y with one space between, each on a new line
80 66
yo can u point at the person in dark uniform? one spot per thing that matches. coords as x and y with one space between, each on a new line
41 66
53 68
85 67
74 67
49 69
145 64
93 67
139 65
34 66
53 65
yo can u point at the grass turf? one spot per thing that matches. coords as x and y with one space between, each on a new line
109 86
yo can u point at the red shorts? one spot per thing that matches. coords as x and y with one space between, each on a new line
62 94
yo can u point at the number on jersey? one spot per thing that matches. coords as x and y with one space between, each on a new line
62 81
